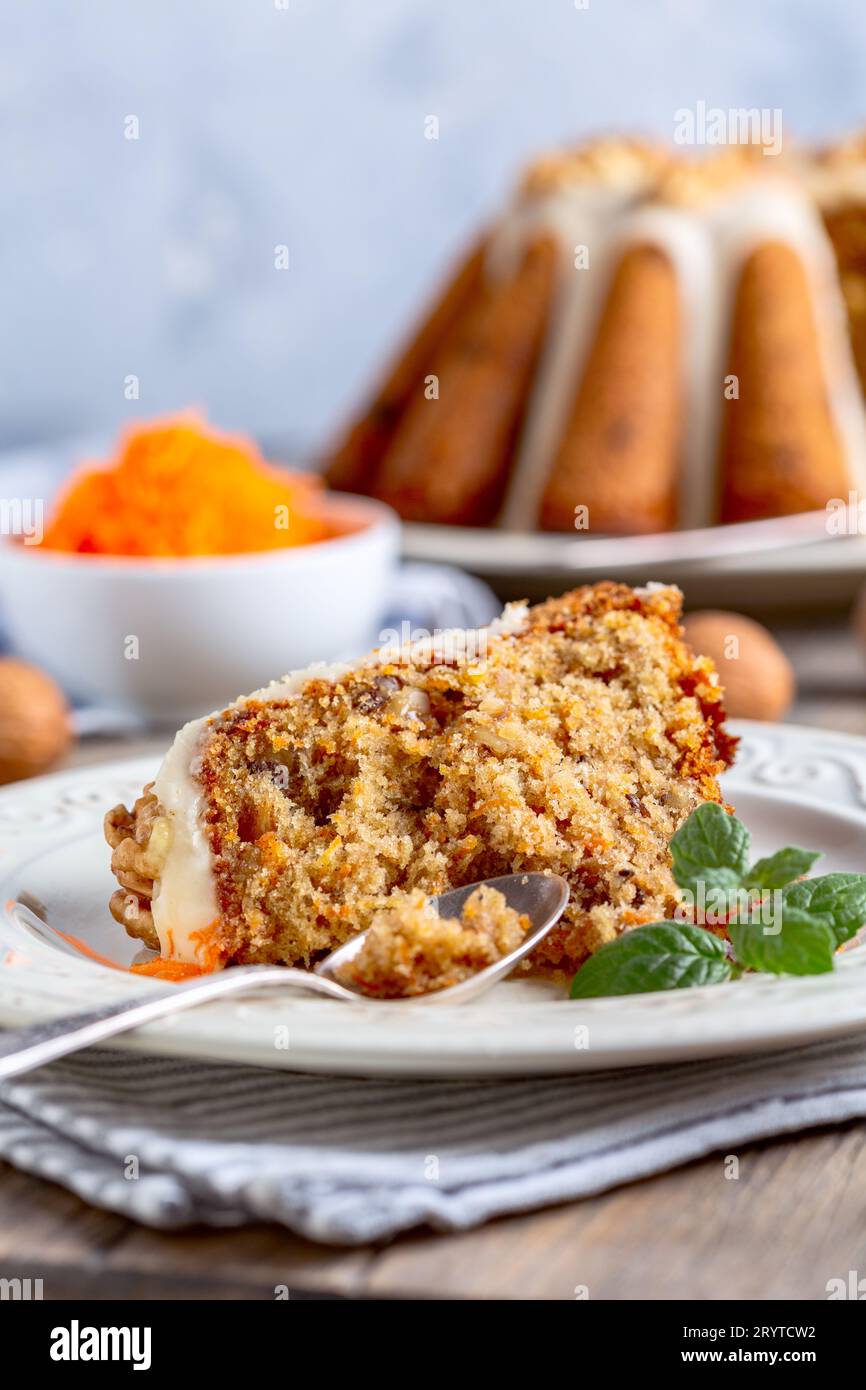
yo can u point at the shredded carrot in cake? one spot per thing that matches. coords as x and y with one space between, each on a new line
209 953
178 487
208 947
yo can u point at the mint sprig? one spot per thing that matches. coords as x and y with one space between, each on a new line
804 945
710 848
663 955
838 898
777 920
781 868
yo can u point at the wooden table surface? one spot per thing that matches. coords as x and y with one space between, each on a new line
795 1217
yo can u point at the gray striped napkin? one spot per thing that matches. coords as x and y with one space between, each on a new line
169 1143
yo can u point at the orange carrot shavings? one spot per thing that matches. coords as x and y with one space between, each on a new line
208 947
178 487
173 970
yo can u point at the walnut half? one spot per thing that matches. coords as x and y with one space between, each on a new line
139 842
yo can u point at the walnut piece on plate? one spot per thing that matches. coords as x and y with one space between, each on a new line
139 841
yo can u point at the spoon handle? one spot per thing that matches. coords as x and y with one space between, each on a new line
23 1049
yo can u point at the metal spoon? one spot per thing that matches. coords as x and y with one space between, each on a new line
541 896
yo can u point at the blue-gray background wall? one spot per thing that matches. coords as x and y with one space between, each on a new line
302 123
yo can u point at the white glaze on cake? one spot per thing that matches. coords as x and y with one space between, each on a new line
184 899
579 217
708 244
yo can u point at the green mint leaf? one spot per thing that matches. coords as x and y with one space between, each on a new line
781 868
661 955
805 945
841 898
711 848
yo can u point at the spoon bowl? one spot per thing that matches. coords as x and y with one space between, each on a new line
541 897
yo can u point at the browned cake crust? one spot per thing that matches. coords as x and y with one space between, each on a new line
353 463
450 455
846 227
838 175
780 451
619 455
576 744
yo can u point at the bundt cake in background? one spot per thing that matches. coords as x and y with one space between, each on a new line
641 342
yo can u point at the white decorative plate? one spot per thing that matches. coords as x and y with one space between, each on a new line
781 561
791 786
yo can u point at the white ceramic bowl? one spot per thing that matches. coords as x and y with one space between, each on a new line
170 639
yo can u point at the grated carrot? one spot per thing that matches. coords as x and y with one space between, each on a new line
173 970
207 946
177 487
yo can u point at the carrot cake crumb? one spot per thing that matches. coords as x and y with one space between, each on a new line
411 950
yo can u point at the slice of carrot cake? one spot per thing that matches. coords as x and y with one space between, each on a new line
573 737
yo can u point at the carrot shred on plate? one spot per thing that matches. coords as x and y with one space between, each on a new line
173 970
